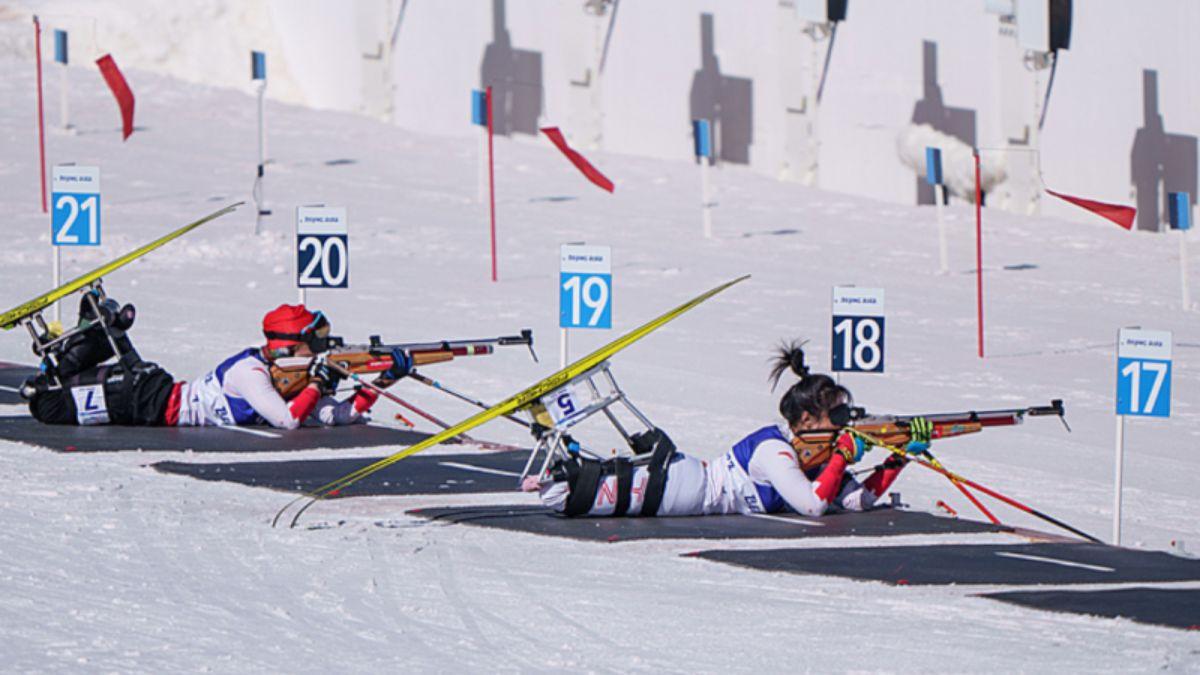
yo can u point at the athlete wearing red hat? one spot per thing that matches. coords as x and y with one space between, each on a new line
238 391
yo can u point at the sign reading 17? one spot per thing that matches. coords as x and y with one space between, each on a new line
1144 387
1143 372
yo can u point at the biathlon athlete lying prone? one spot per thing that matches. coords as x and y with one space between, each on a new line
239 391
761 474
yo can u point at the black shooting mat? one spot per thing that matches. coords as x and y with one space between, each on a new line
417 475
12 376
1016 564
539 520
106 438
1174 607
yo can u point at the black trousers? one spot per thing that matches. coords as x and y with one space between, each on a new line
134 395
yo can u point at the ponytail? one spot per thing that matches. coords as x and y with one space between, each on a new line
815 394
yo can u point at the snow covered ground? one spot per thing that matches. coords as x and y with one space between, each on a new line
107 565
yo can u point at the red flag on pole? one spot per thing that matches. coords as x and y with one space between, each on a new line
585 167
1121 215
120 89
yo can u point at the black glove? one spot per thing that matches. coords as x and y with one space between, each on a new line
648 441
324 376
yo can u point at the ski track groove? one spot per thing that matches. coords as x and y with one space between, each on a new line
467 611
389 592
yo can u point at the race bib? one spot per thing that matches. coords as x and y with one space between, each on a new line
90 406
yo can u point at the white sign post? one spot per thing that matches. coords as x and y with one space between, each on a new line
1143 390
258 73
1179 216
933 176
74 215
857 329
61 57
703 146
584 290
322 248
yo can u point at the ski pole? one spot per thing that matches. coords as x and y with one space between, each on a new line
966 493
460 396
388 395
985 490
399 401
1011 502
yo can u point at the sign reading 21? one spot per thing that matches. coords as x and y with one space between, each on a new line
75 198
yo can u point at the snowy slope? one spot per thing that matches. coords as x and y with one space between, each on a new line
110 566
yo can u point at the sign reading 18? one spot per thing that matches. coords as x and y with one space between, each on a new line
857 329
858 343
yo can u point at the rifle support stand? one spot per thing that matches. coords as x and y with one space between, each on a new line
595 391
46 343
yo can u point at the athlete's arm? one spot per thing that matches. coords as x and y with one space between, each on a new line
250 381
775 462
856 497
331 412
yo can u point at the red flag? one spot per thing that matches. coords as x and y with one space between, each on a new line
584 166
120 89
1121 215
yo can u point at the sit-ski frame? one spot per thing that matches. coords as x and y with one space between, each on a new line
561 410
43 343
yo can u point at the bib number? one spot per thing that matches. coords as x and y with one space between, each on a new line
91 408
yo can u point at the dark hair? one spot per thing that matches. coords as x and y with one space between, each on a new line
815 394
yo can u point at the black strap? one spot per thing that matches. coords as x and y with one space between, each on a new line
656 485
624 470
583 478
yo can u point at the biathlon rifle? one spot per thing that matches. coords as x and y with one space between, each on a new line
291 374
816 446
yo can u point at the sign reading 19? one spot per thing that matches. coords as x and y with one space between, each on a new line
75 196
857 329
585 287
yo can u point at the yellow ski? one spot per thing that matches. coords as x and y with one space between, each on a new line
10 318
509 405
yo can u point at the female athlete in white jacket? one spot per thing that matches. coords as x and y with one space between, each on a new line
760 474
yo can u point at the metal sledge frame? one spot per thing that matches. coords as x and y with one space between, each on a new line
38 329
605 393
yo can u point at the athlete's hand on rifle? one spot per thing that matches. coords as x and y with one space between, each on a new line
921 431
324 376
850 446
402 365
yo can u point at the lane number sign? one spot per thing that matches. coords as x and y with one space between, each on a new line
585 287
1144 372
858 329
75 197
322 247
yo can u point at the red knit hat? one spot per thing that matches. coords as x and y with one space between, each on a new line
286 325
